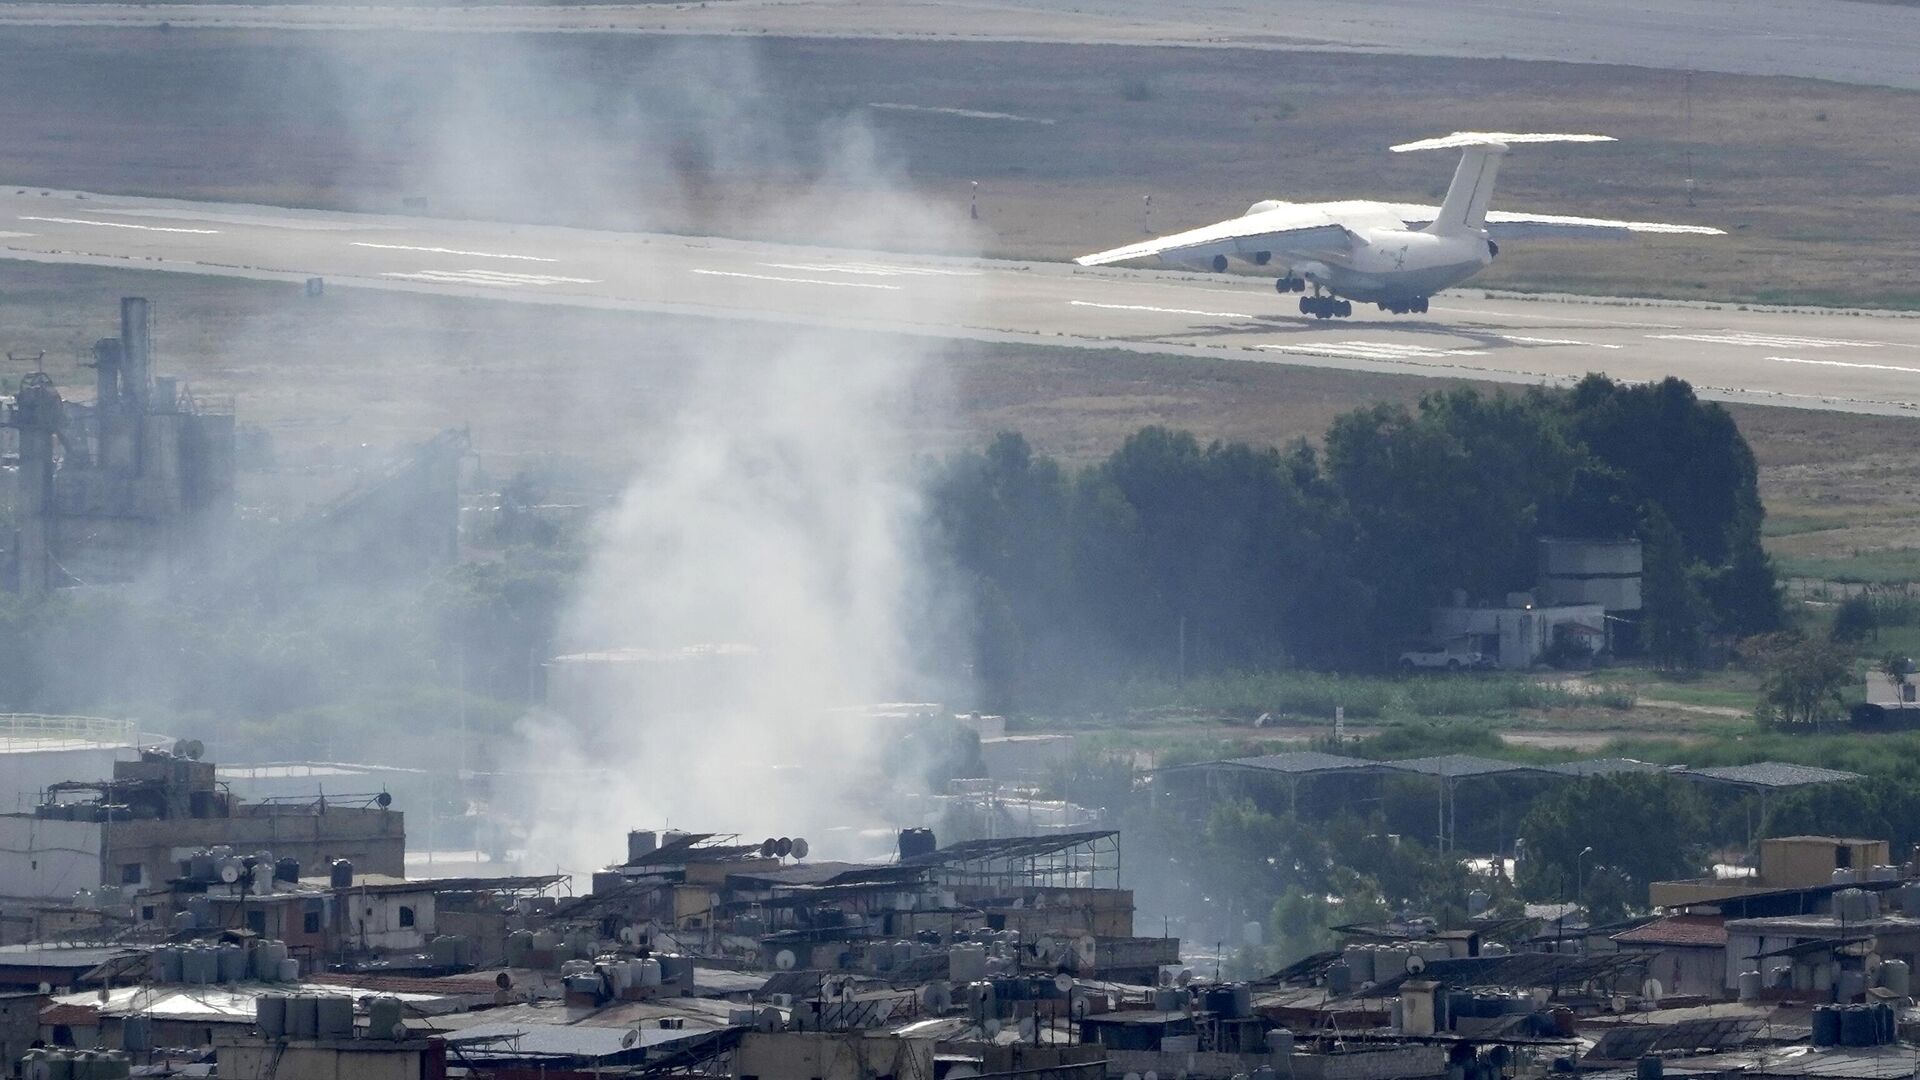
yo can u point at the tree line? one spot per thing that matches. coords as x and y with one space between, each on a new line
1171 557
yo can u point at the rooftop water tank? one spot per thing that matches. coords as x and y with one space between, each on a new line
341 874
333 1017
270 1015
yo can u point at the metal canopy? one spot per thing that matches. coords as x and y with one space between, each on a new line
1771 775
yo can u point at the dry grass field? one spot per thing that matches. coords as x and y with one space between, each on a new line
1063 140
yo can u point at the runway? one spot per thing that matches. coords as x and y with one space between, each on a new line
1842 40
1851 361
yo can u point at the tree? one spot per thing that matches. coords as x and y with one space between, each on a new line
1672 611
1646 826
1802 683
1854 621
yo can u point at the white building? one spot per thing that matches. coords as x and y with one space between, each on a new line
1516 634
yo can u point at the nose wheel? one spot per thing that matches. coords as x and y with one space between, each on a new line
1325 307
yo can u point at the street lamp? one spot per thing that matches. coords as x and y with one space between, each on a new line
1579 872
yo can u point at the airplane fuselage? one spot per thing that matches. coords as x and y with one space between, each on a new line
1390 263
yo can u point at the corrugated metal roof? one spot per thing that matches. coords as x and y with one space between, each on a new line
1301 763
510 1039
1702 930
1456 766
1607 767
1772 774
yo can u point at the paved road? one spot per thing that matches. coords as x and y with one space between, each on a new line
1841 40
1867 362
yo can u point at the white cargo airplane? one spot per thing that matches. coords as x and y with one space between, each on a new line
1395 255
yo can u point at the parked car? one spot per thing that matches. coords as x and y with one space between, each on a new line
1444 658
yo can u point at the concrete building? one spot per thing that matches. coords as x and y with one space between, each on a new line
35 749
1518 633
1689 953
133 832
1603 572
1786 863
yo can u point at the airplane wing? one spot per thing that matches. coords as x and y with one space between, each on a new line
1509 225
1290 230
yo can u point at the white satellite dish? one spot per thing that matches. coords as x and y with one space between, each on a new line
1063 982
785 960
399 1032
992 1027
1652 990
1132 1076
1079 1008
632 1036
1149 1075
1416 964
800 847
1028 1029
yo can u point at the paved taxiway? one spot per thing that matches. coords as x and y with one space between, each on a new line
1866 362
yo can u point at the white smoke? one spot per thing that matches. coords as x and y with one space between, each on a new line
775 513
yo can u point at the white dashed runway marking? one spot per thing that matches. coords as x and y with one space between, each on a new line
872 269
120 225
1771 341
798 280
1372 350
488 277
1519 340
1846 364
1161 310
451 251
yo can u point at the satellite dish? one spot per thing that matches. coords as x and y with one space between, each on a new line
399 1032
1149 1075
105 995
783 847
45 989
229 872
766 848
1652 990
992 1027
503 980
1028 1029
1132 1076
195 748
1063 982
383 800
936 997
800 847
768 1019
785 960
1079 1008
1185 976
179 748
1416 964
631 1037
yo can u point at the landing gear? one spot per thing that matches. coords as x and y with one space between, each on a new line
1417 305
1289 284
1325 307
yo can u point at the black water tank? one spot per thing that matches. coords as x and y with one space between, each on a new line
1857 1026
1651 1068
342 874
1826 1026
287 870
917 842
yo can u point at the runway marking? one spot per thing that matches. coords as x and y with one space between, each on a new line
1846 364
1556 341
798 280
14 235
488 277
1776 341
1372 350
450 251
120 225
871 269
947 110
1162 310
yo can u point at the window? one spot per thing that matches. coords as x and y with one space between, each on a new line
1842 856
257 922
130 873
146 913
406 915
310 923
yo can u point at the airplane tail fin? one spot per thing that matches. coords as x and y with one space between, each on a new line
1465 207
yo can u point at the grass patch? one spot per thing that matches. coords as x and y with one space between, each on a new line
1312 695
1891 567
1797 525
